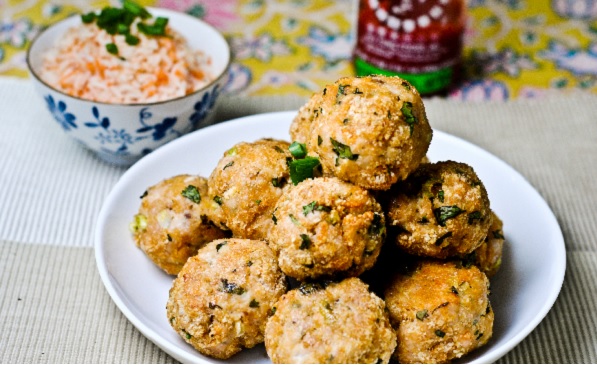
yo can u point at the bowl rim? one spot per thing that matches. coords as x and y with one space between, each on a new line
154 12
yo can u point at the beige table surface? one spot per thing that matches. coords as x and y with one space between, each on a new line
54 308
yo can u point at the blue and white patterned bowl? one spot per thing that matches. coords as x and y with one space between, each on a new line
123 133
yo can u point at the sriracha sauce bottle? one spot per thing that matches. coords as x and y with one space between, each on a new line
418 40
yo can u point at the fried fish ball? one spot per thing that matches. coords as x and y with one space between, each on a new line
171 224
340 323
441 312
488 257
246 184
372 131
325 227
220 301
441 210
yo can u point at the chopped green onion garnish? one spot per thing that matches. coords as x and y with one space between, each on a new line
313 206
231 152
136 9
422 314
109 17
192 193
88 18
446 212
122 28
298 150
474 216
294 220
112 48
277 182
343 151
232 288
309 208
158 28
139 224
409 117
305 242
118 21
303 169
131 40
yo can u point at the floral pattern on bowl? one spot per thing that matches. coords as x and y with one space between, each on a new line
204 106
123 133
120 143
58 110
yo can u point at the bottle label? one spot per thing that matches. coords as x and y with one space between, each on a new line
420 42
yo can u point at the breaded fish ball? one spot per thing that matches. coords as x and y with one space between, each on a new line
220 301
342 323
171 224
325 227
246 184
371 131
441 210
488 257
441 312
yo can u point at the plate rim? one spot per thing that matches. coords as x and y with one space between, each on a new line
157 339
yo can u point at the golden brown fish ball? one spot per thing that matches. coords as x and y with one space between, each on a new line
440 311
246 184
325 227
340 323
441 210
221 299
171 224
371 131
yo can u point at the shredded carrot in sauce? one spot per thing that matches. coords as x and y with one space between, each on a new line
157 68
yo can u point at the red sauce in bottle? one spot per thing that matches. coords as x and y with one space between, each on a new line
419 40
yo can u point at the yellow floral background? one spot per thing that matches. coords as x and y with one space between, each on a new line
513 48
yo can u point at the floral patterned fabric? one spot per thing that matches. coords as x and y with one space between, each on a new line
513 48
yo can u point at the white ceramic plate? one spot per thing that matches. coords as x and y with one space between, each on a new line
522 292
